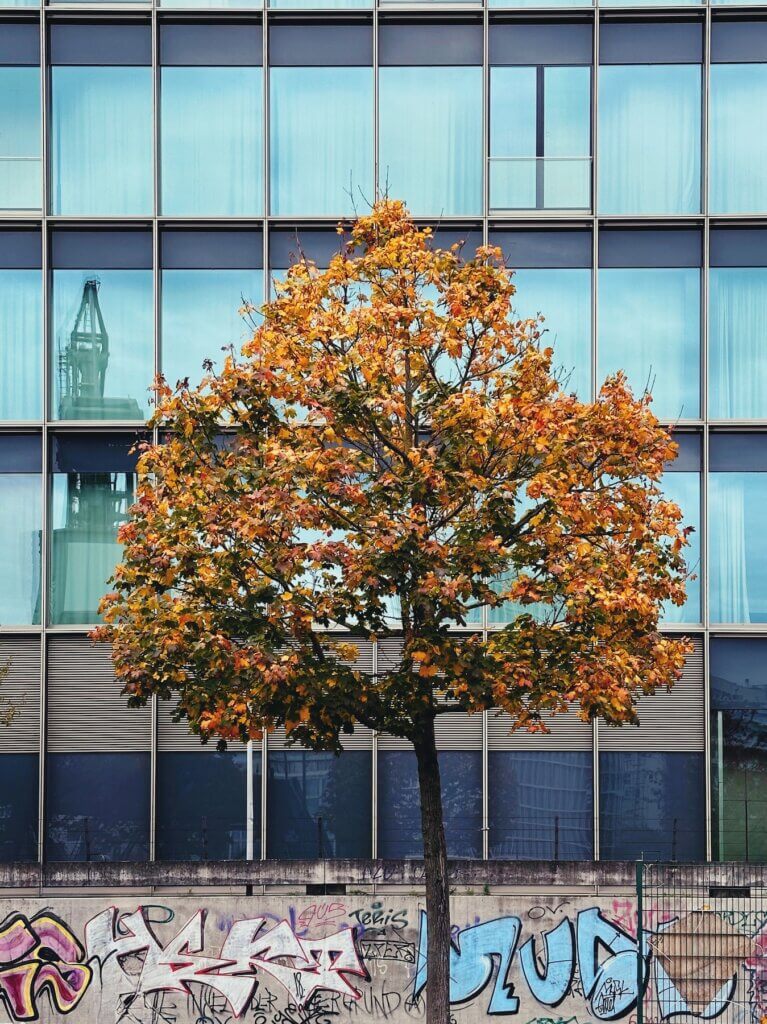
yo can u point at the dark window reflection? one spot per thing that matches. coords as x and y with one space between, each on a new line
541 805
97 807
739 784
399 804
318 804
201 805
651 806
18 807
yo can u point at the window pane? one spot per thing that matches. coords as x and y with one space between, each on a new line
431 151
21 344
18 807
567 138
97 807
737 355
86 511
737 547
738 138
684 489
649 326
20 163
101 164
20 554
103 347
564 299
399 803
201 805
541 805
307 106
308 800
211 140
664 794
537 3
739 784
513 97
200 317
649 138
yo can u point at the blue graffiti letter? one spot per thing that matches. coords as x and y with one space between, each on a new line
610 986
553 985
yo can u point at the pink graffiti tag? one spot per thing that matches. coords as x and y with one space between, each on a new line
36 955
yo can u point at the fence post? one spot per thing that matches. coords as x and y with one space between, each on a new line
640 943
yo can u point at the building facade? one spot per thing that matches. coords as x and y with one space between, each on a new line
159 165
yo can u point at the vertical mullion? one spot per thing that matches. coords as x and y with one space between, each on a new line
264 768
376 108
374 772
44 476
540 87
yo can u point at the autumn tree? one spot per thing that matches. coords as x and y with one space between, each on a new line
390 453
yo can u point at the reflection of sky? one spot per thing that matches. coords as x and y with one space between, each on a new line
684 489
21 344
20 526
125 299
738 547
200 316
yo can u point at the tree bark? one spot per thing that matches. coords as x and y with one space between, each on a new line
437 884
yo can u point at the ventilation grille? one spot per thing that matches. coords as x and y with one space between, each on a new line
568 732
21 687
86 711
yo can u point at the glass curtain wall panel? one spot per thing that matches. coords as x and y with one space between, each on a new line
309 796
21 165
92 487
201 805
665 794
21 326
430 151
540 116
738 117
737 544
211 119
21 525
541 805
737 324
649 315
101 164
102 325
681 484
321 118
207 278
649 118
18 807
399 803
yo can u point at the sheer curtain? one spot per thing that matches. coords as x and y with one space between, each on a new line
101 140
21 344
649 138
737 353
20 553
738 138
684 489
321 143
21 185
211 130
649 326
728 547
567 133
431 150
513 92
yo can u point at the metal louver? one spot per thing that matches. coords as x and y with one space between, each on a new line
21 687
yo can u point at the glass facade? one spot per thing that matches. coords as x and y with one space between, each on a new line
160 166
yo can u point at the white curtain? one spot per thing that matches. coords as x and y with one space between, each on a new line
738 122
649 138
728 550
738 342
21 344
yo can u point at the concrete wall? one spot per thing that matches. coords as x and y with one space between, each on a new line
547 958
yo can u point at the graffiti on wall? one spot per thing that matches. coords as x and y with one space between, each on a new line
318 963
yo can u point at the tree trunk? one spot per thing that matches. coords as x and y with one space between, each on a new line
437 886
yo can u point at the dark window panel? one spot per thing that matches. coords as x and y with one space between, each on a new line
739 784
651 42
20 43
326 43
739 41
689 458
211 44
542 250
21 453
286 246
738 672
469 236
21 250
541 42
107 250
417 43
183 249
18 807
94 453
737 453
738 247
127 43
650 248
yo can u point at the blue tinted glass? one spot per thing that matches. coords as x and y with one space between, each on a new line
101 164
567 138
651 806
212 3
200 317
201 805
211 141
738 668
103 344
737 547
308 803
18 807
649 326
684 489
649 138
564 299
97 807
513 97
21 344
329 5
541 805
739 784
86 512
431 150
399 803
20 554
307 106
20 163
738 138
737 367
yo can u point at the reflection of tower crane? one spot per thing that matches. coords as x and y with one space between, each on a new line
83 366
